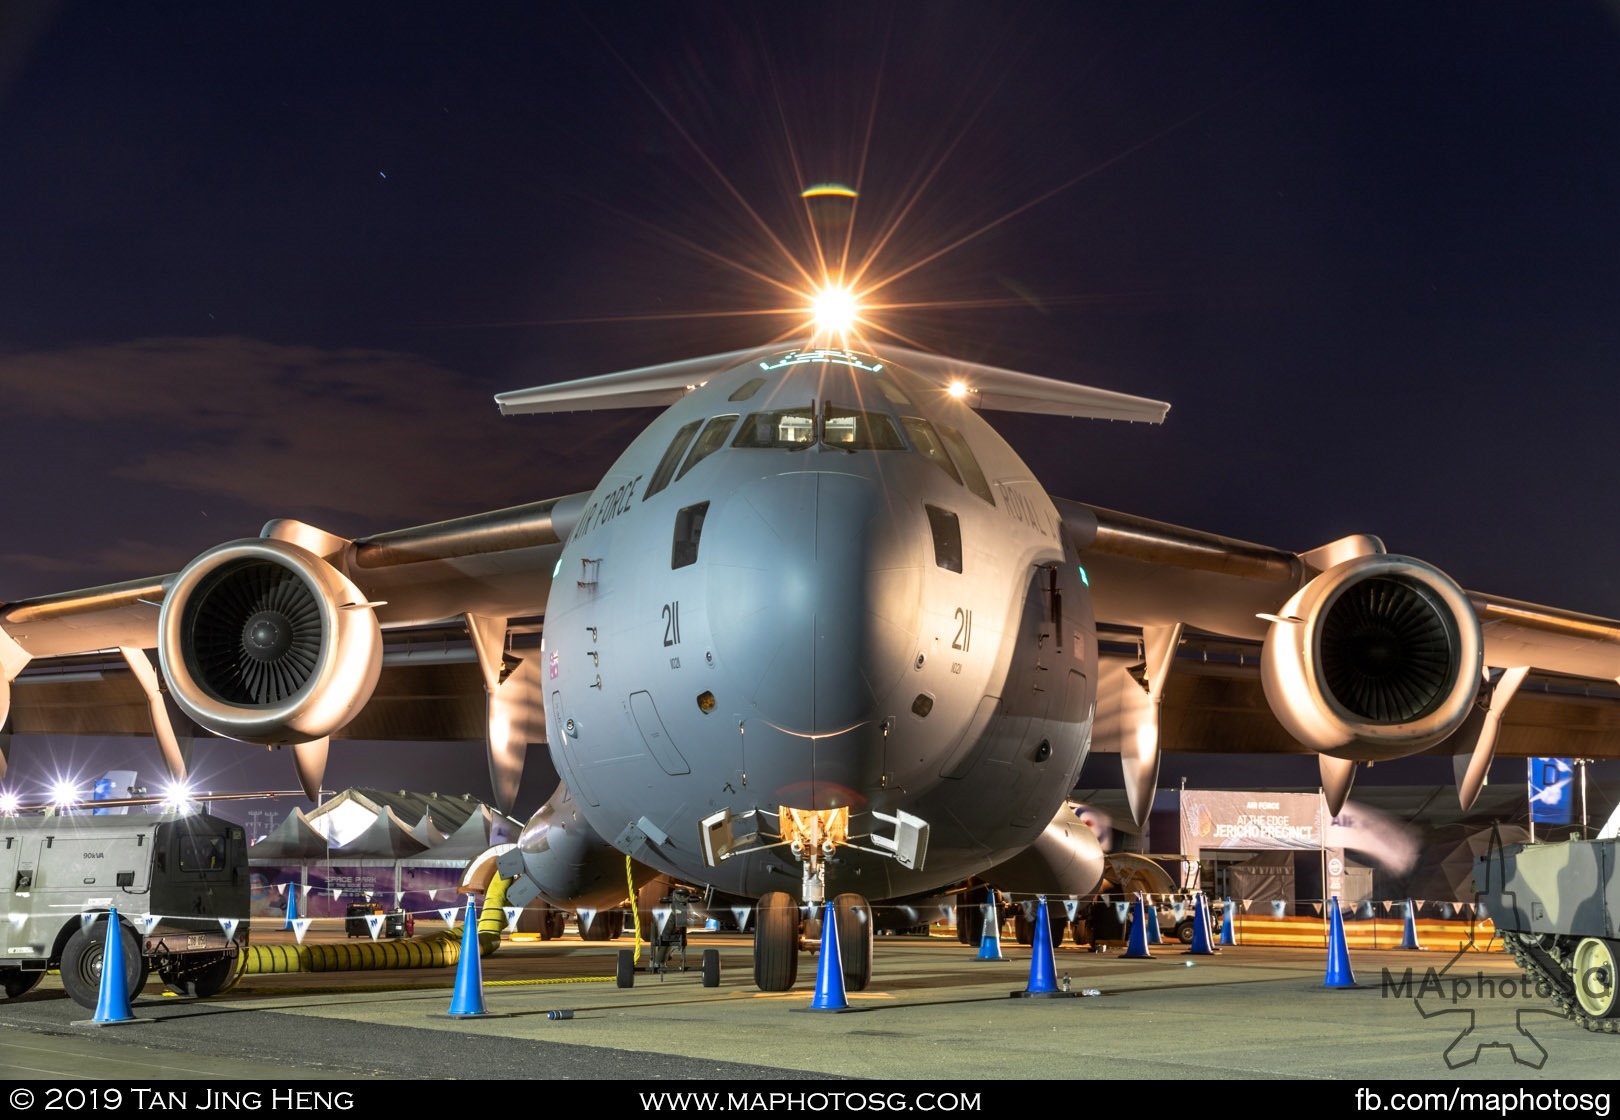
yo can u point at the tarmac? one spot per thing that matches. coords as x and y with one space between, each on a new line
933 1014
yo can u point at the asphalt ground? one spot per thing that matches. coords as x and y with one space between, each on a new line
933 1014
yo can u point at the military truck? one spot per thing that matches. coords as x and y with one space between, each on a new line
171 877
1557 909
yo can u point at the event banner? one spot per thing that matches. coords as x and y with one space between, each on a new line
1239 819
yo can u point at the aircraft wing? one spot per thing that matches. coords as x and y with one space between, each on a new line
421 633
1210 643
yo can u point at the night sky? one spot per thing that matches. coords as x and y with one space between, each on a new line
262 260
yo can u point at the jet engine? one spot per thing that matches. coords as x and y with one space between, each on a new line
1377 657
263 641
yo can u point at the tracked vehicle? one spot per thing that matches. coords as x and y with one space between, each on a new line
172 879
1556 907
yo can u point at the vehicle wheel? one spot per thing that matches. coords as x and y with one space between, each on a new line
1184 931
215 978
854 917
16 982
554 923
1595 975
776 942
711 968
81 963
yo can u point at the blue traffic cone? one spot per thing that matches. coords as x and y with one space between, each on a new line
1136 941
1338 964
112 1001
292 907
1201 946
1229 923
1154 937
1042 967
1409 938
990 939
468 998
830 969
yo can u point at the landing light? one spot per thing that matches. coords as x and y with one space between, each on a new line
957 389
835 309
64 793
8 804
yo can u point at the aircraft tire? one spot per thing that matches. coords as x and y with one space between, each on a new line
711 968
854 917
624 972
81 963
776 942
608 925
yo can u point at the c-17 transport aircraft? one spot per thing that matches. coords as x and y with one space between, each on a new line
819 636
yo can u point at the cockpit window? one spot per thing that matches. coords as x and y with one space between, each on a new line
963 454
947 532
926 441
788 427
854 430
671 460
849 429
712 440
747 389
892 392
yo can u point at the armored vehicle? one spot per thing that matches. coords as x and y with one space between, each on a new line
179 883
1556 907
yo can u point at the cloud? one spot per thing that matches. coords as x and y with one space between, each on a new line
374 433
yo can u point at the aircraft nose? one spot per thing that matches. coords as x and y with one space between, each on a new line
813 598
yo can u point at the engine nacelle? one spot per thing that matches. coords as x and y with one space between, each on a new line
1378 657
263 641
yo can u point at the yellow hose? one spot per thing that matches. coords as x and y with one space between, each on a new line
492 918
439 950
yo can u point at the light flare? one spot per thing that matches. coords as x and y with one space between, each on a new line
836 310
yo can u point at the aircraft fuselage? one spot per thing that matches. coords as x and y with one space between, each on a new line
818 582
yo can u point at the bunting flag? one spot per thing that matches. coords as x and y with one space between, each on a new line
281 889
948 912
661 918
300 927
1179 908
1278 907
1123 909
583 917
741 913
374 922
449 914
88 918
368 895
149 923
229 926
1071 908
511 913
